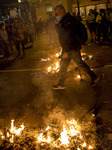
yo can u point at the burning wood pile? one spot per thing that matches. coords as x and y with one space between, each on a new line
68 137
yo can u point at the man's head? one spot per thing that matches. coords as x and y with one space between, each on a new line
2 25
91 11
16 20
59 12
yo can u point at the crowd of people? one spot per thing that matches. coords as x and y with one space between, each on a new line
15 33
100 25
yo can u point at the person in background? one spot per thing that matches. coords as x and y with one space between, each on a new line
31 32
4 40
102 25
10 33
51 30
90 20
110 22
19 31
96 13
39 27
67 27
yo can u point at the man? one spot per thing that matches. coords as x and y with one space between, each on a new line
19 31
67 27
102 25
4 40
90 20
111 22
51 30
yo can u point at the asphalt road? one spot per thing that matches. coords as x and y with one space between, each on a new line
26 93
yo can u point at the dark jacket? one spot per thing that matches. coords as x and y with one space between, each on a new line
67 30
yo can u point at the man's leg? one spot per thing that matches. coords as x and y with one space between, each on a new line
23 47
63 69
17 44
76 56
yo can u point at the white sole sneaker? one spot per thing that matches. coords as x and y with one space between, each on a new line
59 87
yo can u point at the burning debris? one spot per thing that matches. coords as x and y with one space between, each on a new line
54 67
68 137
85 56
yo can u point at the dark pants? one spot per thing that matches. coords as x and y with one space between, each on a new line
76 56
102 30
17 44
110 28
5 47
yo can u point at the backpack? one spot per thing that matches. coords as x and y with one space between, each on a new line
82 35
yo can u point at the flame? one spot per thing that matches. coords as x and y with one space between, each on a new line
47 59
64 137
42 139
90 57
13 129
70 132
58 54
49 69
84 144
78 76
12 139
54 67
90 147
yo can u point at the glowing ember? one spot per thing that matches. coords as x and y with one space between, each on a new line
42 59
78 76
49 69
84 144
90 147
90 57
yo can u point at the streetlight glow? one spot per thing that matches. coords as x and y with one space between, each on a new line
19 1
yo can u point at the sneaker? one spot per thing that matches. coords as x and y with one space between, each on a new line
61 87
94 81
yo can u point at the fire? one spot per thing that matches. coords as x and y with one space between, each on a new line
69 136
64 137
84 144
47 59
79 76
90 147
54 68
59 54
13 129
49 69
41 137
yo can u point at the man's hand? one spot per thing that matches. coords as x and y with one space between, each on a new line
65 55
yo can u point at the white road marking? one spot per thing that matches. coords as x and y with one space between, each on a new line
19 70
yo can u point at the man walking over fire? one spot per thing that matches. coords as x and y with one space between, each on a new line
67 27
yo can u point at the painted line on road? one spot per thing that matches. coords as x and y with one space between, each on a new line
19 70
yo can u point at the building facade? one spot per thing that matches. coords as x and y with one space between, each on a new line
86 5
47 7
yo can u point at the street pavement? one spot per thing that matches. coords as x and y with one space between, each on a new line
26 93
